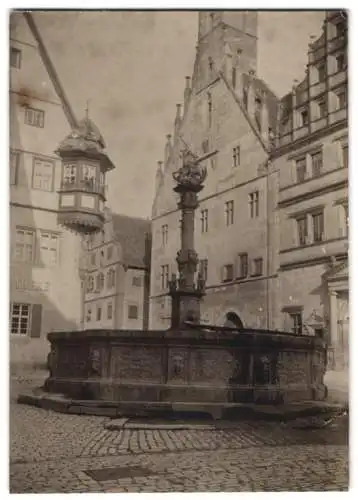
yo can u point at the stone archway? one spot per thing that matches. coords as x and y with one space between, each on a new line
232 320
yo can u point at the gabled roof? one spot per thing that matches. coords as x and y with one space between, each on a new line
133 234
261 87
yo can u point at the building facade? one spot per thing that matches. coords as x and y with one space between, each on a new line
311 156
228 112
44 280
115 270
272 227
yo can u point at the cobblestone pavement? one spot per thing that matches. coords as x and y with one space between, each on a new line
51 452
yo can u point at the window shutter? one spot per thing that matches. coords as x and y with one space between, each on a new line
36 318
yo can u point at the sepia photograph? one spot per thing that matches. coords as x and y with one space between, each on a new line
178 221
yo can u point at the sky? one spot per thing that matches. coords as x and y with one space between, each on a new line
131 66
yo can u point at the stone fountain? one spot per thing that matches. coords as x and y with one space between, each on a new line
189 367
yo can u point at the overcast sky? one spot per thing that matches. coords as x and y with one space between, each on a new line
131 66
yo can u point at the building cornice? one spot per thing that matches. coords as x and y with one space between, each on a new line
312 194
308 139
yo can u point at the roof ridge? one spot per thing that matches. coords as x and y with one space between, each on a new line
245 113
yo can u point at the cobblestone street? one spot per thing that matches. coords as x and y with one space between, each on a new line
52 452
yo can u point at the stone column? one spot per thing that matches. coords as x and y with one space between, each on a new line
333 326
185 293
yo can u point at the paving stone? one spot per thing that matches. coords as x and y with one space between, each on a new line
50 452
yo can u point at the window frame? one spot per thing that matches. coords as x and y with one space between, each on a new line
14 167
51 235
130 308
18 58
33 245
314 215
317 154
243 265
254 204
52 179
257 271
28 318
32 123
229 212
204 220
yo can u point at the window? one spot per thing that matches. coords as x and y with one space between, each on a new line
203 269
204 220
14 167
89 174
257 267
345 156
132 312
69 173
301 168
228 272
20 318
111 278
296 322
35 117
164 234
164 276
304 117
109 310
90 284
341 98
49 248
254 204
15 58
43 174
322 74
100 281
243 265
318 226
99 313
89 314
24 245
322 107
137 281
341 61
229 213
317 163
210 109
233 78
302 229
93 258
236 156
109 252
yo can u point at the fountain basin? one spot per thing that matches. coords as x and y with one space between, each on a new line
186 370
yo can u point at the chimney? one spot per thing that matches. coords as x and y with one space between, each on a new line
167 149
187 93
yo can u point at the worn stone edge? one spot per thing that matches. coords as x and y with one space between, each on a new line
112 409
